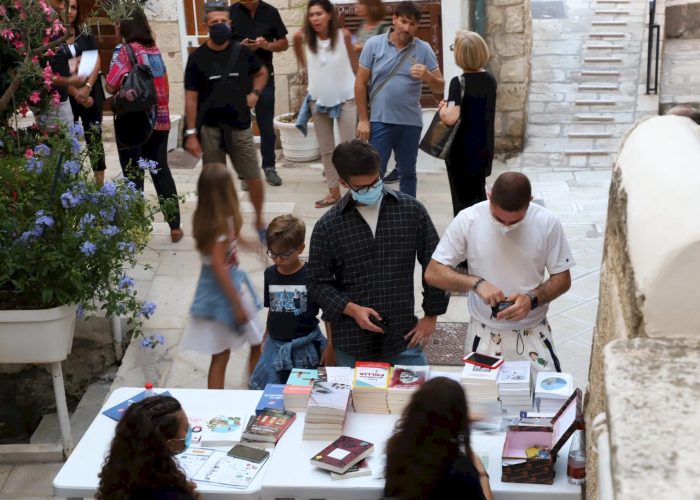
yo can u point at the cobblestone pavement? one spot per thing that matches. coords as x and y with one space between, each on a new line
587 90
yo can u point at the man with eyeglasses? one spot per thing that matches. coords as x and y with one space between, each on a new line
361 263
258 26
508 243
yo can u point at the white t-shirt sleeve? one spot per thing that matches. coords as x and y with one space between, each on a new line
559 257
453 245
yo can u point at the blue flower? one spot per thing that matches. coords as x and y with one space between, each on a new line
2 144
71 167
75 146
69 200
42 150
160 339
126 282
43 220
150 165
110 230
148 308
88 248
109 188
108 213
80 311
86 220
76 130
128 246
146 343
34 164
36 232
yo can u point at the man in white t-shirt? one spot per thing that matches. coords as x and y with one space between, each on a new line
508 243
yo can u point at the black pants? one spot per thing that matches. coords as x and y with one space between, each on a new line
91 118
467 189
156 149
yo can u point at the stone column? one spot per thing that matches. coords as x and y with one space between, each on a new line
509 37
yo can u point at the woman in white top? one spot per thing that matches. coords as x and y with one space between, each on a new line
326 51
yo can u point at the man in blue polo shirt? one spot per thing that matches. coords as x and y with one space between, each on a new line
395 65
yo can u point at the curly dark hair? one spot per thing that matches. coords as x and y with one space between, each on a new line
426 440
139 456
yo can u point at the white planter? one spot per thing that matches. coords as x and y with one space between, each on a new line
295 146
36 336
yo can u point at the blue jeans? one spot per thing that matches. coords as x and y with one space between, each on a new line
413 357
403 140
264 114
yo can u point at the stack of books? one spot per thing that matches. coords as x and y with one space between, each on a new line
298 388
265 429
342 454
222 430
272 397
328 404
552 389
480 384
405 380
515 387
370 386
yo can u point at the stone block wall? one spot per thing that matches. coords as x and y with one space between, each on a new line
650 269
509 37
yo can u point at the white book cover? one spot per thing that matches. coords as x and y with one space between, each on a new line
223 430
371 376
329 395
515 372
337 375
479 373
553 385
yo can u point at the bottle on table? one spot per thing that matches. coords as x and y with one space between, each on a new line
576 467
149 390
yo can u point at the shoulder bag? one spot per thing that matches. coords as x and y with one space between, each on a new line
137 91
438 139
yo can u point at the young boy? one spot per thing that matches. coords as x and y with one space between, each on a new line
293 338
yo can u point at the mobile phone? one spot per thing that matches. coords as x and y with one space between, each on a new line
381 323
248 453
504 304
484 360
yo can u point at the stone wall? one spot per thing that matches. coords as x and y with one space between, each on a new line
648 277
509 37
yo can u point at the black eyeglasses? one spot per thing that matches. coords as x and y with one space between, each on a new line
452 47
282 255
364 189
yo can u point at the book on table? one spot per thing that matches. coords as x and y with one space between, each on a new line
361 468
552 389
116 412
515 386
222 430
370 387
405 380
272 397
342 454
328 404
298 388
269 426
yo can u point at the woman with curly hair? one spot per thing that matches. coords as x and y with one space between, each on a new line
140 464
429 456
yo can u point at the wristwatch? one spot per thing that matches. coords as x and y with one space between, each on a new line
256 92
534 301
190 131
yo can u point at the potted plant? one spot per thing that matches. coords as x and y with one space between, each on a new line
65 243
295 146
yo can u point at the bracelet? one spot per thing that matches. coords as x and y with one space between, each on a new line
478 282
88 84
190 131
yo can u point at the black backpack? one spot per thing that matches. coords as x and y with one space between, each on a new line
138 90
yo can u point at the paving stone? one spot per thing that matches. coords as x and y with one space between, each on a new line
4 473
564 328
583 312
31 480
586 287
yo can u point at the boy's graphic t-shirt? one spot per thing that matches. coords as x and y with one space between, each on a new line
291 314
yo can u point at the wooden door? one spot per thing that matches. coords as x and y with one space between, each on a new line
429 30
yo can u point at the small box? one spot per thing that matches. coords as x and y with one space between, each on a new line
530 452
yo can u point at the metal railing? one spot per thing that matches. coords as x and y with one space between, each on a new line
653 48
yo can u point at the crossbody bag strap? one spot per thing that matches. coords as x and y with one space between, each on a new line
235 52
391 74
132 55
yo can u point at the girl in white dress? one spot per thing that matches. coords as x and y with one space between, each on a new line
224 310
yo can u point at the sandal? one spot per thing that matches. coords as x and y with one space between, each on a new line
176 235
328 201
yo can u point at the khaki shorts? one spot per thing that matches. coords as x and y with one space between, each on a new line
237 143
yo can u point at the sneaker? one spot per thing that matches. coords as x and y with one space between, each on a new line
272 178
244 185
392 177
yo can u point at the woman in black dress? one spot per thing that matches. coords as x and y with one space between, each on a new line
86 102
429 456
471 154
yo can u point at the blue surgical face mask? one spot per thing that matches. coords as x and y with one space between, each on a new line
188 437
372 196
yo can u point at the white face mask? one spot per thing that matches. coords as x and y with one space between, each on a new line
503 229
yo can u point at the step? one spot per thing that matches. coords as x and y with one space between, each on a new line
613 12
606 34
597 87
613 1
594 102
602 59
595 118
599 72
609 23
586 152
589 135
611 46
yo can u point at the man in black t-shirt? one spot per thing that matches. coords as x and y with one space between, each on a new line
258 26
217 112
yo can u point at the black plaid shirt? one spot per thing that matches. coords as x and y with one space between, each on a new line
348 264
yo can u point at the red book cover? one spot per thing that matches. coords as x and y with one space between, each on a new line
269 425
342 454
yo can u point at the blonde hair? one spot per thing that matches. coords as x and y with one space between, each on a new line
287 231
471 51
216 202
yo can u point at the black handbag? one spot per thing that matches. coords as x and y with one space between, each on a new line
137 91
438 139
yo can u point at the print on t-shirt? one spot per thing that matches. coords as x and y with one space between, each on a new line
288 298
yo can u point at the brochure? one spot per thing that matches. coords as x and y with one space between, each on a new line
215 466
